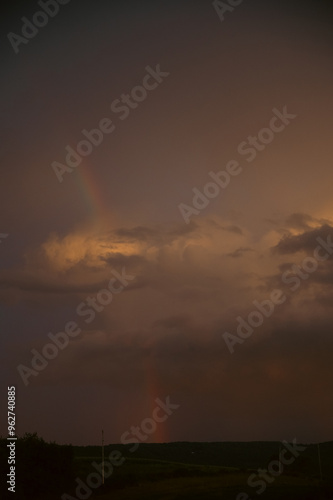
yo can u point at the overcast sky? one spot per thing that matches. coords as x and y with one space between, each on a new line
193 266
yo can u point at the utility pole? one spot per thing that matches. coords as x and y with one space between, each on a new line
320 468
103 456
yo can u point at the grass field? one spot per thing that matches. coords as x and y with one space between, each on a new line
206 471
170 471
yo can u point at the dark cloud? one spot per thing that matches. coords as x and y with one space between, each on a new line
136 234
27 282
305 242
283 367
153 235
239 252
232 228
130 261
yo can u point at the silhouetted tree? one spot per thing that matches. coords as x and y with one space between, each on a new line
43 470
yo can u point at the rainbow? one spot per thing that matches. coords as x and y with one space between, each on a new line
99 213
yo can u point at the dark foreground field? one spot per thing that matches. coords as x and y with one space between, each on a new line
169 471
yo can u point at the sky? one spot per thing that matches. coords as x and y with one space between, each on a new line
203 188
